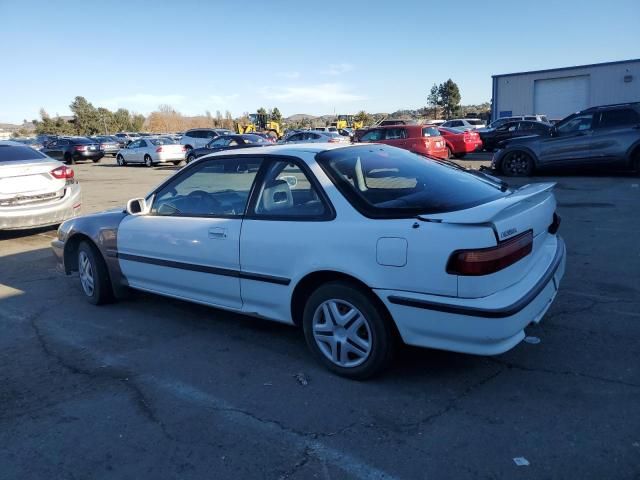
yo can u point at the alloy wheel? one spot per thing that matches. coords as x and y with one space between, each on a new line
517 164
86 274
342 333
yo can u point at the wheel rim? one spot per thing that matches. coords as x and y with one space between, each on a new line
119 161
517 163
342 333
148 162
86 274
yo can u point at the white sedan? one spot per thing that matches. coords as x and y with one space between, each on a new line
358 245
35 190
150 151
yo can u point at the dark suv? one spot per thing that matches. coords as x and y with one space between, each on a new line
598 136
72 149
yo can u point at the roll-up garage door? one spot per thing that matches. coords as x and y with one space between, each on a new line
559 97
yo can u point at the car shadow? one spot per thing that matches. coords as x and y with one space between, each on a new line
27 232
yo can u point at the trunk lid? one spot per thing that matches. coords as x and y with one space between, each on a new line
530 207
28 177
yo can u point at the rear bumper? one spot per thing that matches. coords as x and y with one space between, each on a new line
34 216
483 326
87 155
169 157
471 147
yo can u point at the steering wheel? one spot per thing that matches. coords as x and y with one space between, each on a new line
205 202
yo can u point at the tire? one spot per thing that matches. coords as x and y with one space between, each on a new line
190 158
121 161
517 164
96 160
635 163
177 162
449 153
68 159
148 161
94 278
370 346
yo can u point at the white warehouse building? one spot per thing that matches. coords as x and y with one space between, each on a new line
559 92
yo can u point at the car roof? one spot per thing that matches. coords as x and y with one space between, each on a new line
612 106
11 143
283 149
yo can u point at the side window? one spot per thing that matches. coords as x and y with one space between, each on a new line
577 123
218 142
135 144
142 143
295 137
618 118
286 191
192 134
232 143
210 134
215 188
395 133
372 135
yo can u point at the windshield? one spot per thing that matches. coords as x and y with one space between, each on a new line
11 153
382 181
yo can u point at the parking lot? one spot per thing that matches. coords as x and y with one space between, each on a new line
159 388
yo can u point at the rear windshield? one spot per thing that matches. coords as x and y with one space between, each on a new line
385 182
10 153
475 122
81 141
430 132
254 139
162 141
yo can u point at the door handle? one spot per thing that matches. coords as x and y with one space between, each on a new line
218 232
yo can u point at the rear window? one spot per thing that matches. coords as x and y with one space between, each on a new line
430 132
162 141
10 153
475 122
383 182
80 141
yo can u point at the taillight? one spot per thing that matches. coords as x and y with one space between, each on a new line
80 148
484 261
333 140
62 172
159 149
427 143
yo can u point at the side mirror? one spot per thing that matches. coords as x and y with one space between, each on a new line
137 206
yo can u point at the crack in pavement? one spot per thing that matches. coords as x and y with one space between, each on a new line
514 366
121 376
306 457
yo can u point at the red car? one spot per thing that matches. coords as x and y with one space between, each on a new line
460 142
423 139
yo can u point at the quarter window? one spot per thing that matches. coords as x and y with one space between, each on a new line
286 191
215 188
618 118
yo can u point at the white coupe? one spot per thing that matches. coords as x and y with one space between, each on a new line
359 245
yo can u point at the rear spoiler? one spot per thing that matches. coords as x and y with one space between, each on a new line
490 211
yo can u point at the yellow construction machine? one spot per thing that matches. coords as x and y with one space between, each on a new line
260 122
346 121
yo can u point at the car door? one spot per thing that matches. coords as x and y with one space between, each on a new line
141 150
288 211
188 246
616 130
395 136
570 141
54 149
129 153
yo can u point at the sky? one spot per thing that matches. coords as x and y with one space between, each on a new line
313 57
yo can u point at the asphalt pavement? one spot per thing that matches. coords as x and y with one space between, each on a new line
158 388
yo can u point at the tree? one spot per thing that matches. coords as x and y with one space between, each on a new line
86 118
276 116
433 100
262 111
363 117
449 94
137 121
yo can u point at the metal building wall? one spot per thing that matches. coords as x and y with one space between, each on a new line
515 92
